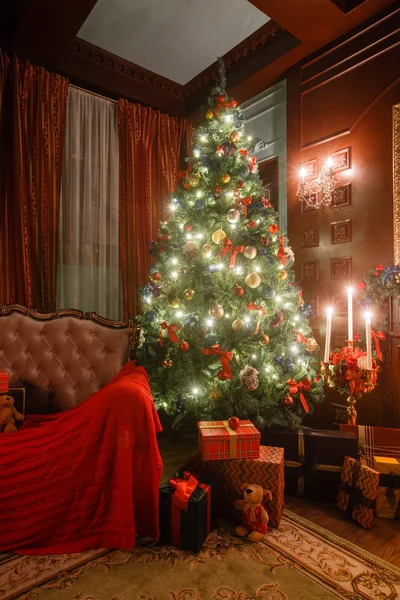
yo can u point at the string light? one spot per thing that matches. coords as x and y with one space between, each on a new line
229 194
172 207
295 349
268 369
227 316
174 261
188 236
179 314
257 269
246 319
199 194
239 270
228 118
174 275
181 225
195 391
249 138
199 236
203 138
278 298
253 356
288 305
296 317
209 322
233 225
196 153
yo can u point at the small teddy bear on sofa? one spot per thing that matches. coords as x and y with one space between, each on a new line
9 415
254 516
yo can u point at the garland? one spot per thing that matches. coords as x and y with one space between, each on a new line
380 284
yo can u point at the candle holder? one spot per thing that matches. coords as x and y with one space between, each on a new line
350 343
369 376
325 371
351 411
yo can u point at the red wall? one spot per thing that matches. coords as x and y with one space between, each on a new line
342 97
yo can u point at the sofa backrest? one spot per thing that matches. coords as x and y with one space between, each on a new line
61 358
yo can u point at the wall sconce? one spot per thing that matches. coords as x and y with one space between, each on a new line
318 192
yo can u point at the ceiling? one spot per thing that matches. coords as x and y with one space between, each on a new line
176 39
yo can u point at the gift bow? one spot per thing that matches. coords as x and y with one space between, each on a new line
245 203
281 252
227 246
294 387
376 336
225 358
171 330
261 311
184 488
223 104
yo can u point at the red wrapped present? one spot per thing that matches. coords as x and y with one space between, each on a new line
267 470
217 440
358 491
375 441
4 381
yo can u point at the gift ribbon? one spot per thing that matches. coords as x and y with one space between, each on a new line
184 488
233 434
171 330
281 252
225 358
245 202
261 311
376 336
223 104
355 495
227 246
295 387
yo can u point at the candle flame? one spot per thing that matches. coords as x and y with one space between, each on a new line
302 172
367 315
329 311
329 162
350 290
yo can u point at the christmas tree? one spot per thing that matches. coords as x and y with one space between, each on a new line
225 329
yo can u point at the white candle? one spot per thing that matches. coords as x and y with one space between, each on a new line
368 339
350 314
328 334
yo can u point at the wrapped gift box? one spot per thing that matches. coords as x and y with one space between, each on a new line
388 500
358 491
187 511
218 441
266 470
313 460
375 441
4 381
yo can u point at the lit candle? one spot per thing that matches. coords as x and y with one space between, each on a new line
350 314
329 162
328 334
368 339
302 173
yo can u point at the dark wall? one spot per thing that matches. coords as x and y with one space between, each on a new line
342 98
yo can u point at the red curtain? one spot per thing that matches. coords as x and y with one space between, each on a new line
32 114
151 144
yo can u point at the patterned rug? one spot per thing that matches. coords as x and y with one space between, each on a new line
298 561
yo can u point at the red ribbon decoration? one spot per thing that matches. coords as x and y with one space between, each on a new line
181 174
243 152
245 203
281 252
184 488
301 338
227 246
252 163
376 336
159 240
261 310
303 385
266 202
222 104
225 358
171 329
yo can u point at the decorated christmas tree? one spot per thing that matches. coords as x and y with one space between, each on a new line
224 325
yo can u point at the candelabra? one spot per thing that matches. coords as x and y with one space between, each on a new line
318 192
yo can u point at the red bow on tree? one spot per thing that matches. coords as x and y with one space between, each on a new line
244 152
261 311
303 385
252 163
376 336
266 202
301 338
225 356
160 239
281 252
227 247
171 330
223 104
181 174
245 202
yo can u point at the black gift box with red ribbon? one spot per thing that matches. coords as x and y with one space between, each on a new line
187 510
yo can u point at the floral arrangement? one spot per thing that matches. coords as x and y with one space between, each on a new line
348 373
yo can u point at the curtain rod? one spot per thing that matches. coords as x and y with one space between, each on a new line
76 87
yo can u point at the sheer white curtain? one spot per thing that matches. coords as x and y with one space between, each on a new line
88 270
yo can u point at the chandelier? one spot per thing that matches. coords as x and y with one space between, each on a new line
318 192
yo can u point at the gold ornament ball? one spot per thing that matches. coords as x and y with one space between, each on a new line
188 294
264 339
250 252
194 179
238 325
175 302
234 137
311 344
218 236
282 275
214 394
207 248
216 311
225 178
253 280
209 115
233 215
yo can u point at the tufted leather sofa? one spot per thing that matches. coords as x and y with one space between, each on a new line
61 358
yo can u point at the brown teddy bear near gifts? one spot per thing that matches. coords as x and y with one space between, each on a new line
9 415
254 516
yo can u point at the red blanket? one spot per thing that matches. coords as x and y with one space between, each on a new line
84 478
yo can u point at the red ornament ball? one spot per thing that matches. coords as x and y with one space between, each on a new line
288 401
222 376
240 184
265 241
187 227
251 224
234 423
156 276
217 190
273 228
184 346
239 291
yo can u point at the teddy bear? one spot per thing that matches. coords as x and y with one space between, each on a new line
8 415
254 516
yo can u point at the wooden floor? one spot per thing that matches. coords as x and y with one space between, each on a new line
383 539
